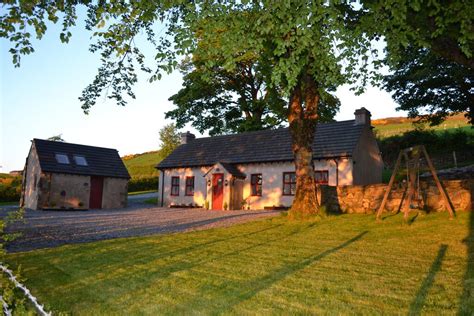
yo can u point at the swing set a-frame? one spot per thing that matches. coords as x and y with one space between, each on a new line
413 199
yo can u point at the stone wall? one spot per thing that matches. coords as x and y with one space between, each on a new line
367 199
115 193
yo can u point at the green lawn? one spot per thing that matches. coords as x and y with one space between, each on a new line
341 265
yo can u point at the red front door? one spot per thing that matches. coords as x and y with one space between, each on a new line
217 191
95 200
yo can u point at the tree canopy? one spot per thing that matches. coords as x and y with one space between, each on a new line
57 138
444 27
169 138
430 87
234 102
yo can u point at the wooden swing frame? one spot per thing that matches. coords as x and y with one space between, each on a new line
411 183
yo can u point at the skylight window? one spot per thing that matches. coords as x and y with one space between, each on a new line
62 158
80 160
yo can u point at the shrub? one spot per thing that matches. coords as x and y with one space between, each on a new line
143 184
436 143
10 189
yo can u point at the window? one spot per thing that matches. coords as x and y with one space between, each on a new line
321 176
189 190
175 186
289 183
62 158
80 160
256 184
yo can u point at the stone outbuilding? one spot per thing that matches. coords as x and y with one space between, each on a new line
61 175
255 170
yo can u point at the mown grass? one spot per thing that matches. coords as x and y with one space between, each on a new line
152 201
340 265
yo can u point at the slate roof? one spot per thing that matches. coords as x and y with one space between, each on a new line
101 161
337 139
232 169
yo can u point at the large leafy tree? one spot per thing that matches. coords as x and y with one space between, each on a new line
224 102
227 102
312 46
444 27
430 87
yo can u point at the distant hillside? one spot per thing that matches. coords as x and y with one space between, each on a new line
392 126
142 165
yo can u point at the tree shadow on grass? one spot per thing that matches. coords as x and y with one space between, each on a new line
181 260
248 290
420 297
466 304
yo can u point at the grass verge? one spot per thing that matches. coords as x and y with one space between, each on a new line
9 203
142 192
343 265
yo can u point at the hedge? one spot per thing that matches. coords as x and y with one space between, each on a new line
143 184
10 189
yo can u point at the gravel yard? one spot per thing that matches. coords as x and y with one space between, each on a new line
45 229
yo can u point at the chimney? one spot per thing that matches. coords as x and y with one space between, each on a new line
362 116
187 137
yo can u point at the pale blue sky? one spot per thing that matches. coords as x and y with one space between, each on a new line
40 99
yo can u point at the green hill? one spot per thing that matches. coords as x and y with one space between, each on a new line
143 165
394 126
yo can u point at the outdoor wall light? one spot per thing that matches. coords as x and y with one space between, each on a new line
226 182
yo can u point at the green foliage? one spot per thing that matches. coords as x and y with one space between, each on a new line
435 142
12 297
170 139
446 27
296 37
57 138
227 101
143 184
431 88
269 266
237 101
10 188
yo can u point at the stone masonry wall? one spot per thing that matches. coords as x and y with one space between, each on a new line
367 199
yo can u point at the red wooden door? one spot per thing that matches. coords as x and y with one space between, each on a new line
97 184
217 191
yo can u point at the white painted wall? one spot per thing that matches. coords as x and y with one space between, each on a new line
272 184
200 186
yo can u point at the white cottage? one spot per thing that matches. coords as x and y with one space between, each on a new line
256 170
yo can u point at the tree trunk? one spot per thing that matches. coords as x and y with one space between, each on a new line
303 119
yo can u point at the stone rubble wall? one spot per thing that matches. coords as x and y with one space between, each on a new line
367 198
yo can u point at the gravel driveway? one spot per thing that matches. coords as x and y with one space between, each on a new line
45 229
